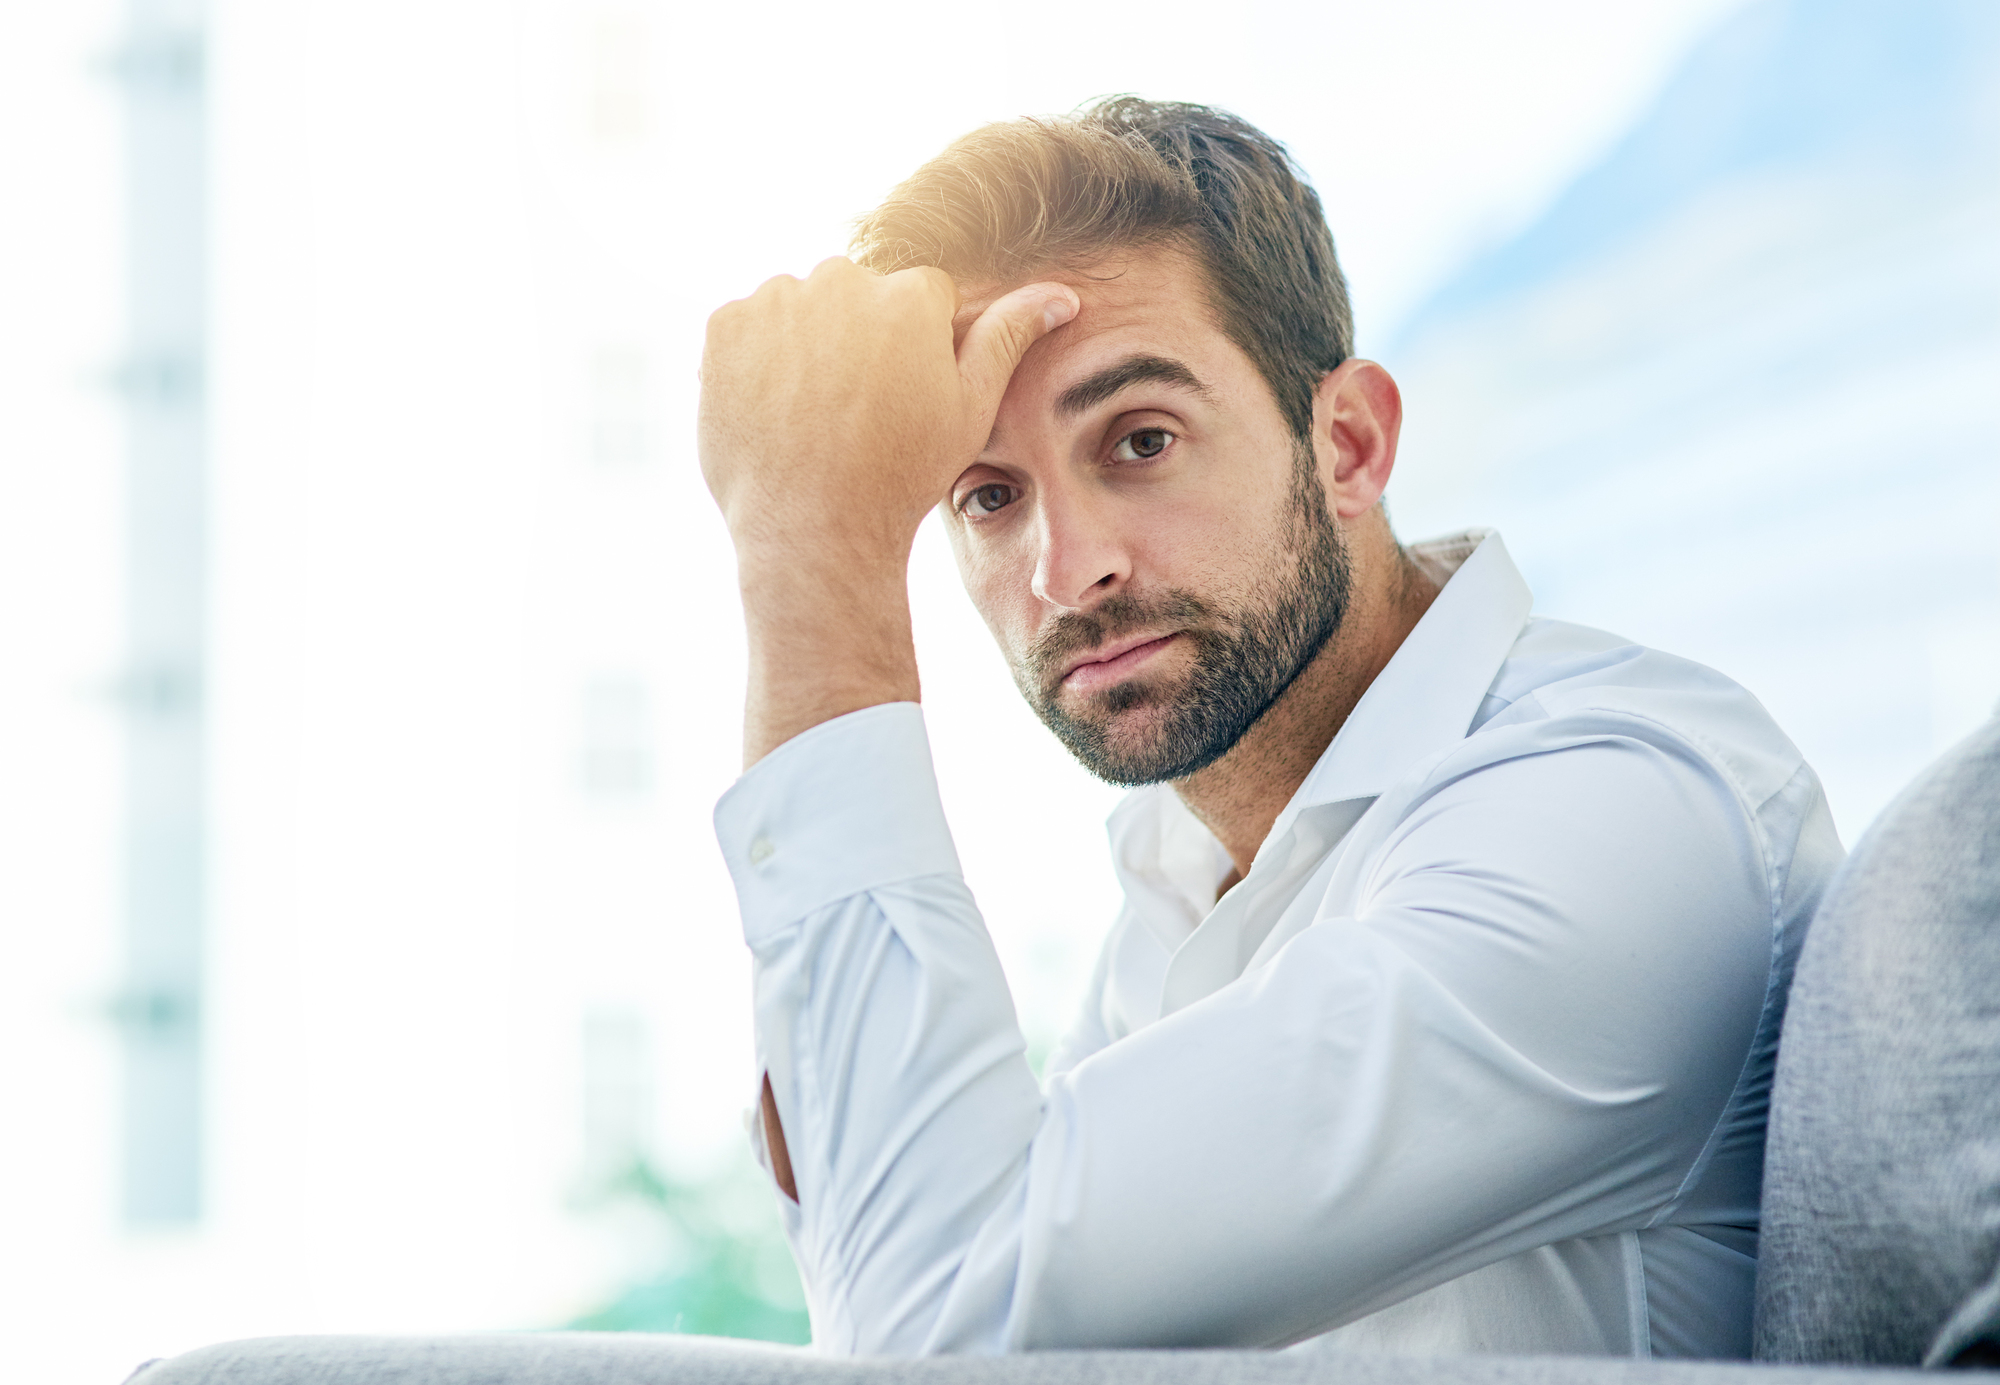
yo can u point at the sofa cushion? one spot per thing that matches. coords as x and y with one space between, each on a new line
1882 1167
574 1358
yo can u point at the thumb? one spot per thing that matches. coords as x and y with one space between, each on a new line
1001 335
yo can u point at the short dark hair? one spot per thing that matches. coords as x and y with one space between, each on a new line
1019 197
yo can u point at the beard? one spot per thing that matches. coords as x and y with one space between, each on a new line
1244 660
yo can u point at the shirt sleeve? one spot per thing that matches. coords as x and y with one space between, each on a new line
883 1020
1526 1031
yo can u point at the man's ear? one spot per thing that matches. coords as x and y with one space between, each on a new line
1357 418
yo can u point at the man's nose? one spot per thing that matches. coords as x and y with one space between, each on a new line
1081 559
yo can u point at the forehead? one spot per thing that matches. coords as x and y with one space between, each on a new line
1154 301
1125 283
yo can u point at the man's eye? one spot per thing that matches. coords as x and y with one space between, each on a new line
987 499
1141 446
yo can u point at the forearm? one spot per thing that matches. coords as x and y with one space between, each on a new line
825 639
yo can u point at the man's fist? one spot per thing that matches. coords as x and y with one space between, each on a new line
835 411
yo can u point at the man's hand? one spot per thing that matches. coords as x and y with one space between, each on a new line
834 413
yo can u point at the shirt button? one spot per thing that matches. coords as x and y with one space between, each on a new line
760 851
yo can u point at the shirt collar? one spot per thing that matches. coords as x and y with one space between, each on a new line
1428 693
1424 698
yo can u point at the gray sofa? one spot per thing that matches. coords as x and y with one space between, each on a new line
1881 1239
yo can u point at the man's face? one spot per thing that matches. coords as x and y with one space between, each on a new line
1146 538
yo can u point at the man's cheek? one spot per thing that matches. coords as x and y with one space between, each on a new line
1002 594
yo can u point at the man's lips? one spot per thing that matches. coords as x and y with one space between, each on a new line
1114 662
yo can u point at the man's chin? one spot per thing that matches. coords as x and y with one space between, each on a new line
1128 747
1127 719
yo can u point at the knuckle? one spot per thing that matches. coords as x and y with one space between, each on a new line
941 284
927 281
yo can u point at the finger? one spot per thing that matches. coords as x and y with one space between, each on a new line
1001 335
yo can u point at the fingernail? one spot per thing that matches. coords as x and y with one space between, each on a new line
1057 311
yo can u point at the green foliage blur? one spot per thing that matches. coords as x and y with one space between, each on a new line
711 1253
719 1263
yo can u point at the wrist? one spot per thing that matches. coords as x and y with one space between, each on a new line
824 639
780 576
772 540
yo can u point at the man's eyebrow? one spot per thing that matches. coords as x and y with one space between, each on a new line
1133 370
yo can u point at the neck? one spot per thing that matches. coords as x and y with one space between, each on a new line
1240 795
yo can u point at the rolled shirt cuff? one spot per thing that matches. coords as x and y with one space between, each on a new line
836 811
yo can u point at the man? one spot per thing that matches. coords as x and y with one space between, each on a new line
1441 1011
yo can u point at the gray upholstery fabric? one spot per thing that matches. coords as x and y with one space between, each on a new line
634 1359
1882 1166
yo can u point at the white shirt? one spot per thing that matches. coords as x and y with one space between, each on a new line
1475 1057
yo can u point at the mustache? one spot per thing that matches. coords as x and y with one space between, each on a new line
1079 632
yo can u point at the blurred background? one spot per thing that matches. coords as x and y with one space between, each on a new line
368 649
